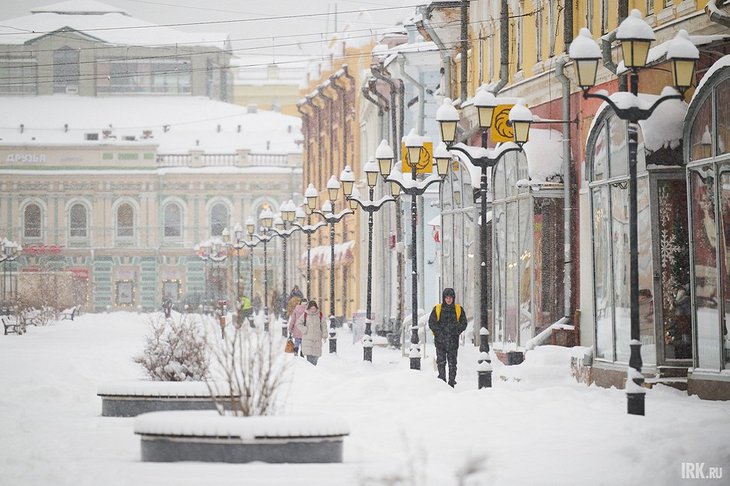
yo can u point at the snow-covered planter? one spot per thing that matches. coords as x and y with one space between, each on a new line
129 399
210 437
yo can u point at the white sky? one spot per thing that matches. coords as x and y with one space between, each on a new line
535 426
297 35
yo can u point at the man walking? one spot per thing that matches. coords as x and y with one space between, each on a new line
447 321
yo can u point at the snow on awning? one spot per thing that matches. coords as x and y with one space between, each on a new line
544 152
322 255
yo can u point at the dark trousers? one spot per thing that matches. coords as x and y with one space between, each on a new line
445 354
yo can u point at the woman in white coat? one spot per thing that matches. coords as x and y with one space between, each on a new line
314 332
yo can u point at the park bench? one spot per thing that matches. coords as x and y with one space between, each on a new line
11 322
70 313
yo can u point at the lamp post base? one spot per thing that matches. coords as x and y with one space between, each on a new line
416 363
367 354
484 379
333 345
635 403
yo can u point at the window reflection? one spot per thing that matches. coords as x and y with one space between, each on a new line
700 138
704 229
602 271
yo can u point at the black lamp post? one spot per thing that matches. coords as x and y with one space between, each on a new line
203 252
305 214
9 252
266 219
413 188
370 207
635 36
520 117
238 244
328 216
288 211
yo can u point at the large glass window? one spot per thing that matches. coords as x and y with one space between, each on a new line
700 137
704 231
722 127
611 250
32 221
125 221
18 76
173 221
159 76
78 221
65 69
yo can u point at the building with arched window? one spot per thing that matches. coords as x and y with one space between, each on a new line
116 158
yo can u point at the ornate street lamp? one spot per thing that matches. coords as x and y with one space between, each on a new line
485 159
288 211
369 206
9 252
635 36
328 216
302 215
413 188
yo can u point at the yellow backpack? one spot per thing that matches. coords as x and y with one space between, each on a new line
437 308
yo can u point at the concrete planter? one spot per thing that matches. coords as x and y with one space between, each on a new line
210 437
129 399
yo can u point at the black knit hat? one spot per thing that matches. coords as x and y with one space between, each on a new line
448 292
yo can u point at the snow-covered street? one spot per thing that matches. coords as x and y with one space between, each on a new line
536 427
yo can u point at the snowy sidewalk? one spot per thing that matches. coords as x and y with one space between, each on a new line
535 427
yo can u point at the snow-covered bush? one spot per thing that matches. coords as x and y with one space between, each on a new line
252 366
176 350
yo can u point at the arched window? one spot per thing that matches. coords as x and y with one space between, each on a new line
172 221
78 221
125 221
218 219
32 221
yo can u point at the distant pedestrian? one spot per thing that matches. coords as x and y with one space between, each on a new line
294 332
167 307
246 309
314 332
447 321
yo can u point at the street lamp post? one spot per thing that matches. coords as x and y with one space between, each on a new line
413 188
484 158
370 207
9 252
328 216
302 215
288 211
203 252
635 36
266 219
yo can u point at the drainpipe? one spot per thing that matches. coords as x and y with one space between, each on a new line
376 70
381 103
567 183
712 9
306 131
464 47
425 11
421 93
503 48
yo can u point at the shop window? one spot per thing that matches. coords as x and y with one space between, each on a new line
618 147
724 262
674 262
78 221
723 117
700 137
173 221
125 293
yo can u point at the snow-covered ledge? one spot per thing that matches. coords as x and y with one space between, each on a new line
209 437
132 398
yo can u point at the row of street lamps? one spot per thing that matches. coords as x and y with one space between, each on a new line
635 37
9 252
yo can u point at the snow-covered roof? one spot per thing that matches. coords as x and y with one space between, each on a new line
177 123
102 22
